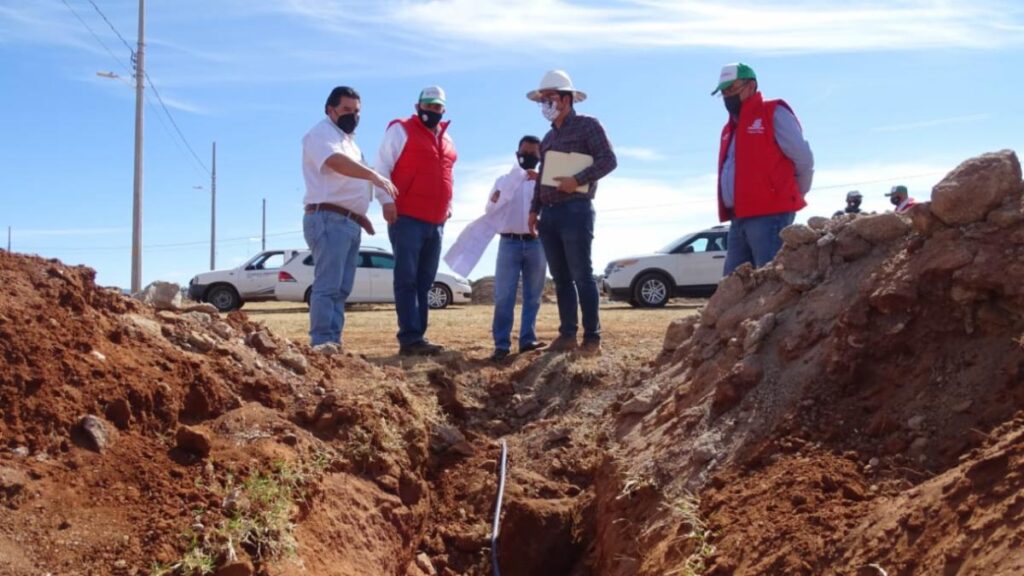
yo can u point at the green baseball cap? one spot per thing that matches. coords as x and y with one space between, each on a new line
733 72
432 95
899 190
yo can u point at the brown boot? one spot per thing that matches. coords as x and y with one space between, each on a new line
563 344
591 347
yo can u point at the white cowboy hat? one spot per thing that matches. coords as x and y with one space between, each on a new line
556 80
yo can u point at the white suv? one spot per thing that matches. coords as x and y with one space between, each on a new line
374 281
253 281
689 266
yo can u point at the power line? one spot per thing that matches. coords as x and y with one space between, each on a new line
146 74
175 124
105 19
126 67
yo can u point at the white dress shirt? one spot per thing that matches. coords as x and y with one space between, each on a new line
324 185
511 208
509 213
387 156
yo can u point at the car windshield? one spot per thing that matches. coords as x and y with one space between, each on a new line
668 248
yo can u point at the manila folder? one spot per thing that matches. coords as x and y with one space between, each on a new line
557 164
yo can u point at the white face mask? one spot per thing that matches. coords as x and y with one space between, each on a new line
549 110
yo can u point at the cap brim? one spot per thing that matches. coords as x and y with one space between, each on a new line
722 86
432 101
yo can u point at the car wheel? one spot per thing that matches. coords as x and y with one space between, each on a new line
651 290
439 296
305 297
224 298
634 303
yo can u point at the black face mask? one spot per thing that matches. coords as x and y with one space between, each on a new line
347 122
528 161
733 104
430 118
895 200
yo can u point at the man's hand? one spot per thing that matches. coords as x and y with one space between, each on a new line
567 184
531 175
390 213
533 223
385 185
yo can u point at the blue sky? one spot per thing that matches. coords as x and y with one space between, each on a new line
895 92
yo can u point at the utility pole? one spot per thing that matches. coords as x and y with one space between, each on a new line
264 235
213 211
140 79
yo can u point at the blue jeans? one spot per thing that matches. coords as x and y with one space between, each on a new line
755 239
515 258
567 232
334 241
417 248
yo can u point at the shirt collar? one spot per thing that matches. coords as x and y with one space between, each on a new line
568 119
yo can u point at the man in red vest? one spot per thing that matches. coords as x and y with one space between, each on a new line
417 154
765 167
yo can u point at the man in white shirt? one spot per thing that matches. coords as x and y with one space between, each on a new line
900 198
520 253
338 191
418 155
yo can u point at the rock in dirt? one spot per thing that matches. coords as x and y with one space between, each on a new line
161 295
237 568
798 235
205 308
817 223
200 342
679 331
295 362
263 342
880 228
193 440
12 482
976 187
638 405
95 431
151 327
923 220
424 563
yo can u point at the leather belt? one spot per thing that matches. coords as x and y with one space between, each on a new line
523 237
363 221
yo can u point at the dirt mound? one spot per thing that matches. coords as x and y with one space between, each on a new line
853 408
853 403
483 291
142 442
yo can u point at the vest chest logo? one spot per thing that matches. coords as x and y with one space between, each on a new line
756 127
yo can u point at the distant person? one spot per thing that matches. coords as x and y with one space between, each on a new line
336 200
563 216
900 198
418 155
765 168
853 200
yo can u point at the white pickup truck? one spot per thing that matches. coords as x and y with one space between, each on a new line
253 281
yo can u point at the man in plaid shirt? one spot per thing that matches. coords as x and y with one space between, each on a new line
563 217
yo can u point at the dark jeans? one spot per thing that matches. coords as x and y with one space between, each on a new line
755 240
567 232
417 248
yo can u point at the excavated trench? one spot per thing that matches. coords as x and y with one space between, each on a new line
547 408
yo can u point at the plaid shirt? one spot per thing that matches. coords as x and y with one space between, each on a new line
578 134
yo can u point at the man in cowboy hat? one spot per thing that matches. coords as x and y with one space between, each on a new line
765 167
563 214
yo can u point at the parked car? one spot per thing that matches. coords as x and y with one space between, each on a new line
373 283
253 281
689 266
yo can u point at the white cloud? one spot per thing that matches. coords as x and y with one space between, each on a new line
638 153
966 119
470 34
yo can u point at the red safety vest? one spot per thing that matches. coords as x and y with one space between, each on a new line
765 177
423 172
